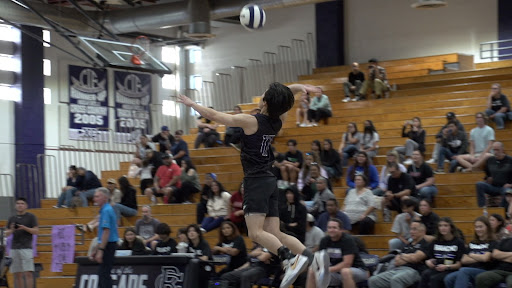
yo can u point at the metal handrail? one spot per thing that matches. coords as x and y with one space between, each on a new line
82 236
492 52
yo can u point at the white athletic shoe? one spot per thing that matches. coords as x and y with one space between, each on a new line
431 161
347 99
293 268
320 266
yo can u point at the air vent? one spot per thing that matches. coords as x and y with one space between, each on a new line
422 4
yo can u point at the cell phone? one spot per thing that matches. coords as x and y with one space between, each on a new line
16 225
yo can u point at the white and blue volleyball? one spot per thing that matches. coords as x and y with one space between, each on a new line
252 17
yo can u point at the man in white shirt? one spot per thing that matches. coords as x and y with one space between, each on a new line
313 234
480 143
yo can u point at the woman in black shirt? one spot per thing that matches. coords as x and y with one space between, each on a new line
429 218
416 140
196 243
128 205
131 242
232 244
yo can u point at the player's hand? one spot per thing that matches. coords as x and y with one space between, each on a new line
185 100
312 89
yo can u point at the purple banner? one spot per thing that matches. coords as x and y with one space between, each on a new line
63 244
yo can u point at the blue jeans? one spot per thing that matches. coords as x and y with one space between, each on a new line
483 188
86 195
427 192
65 197
348 152
126 211
445 153
396 244
462 278
210 223
499 118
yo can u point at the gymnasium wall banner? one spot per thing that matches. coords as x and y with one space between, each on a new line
132 103
88 102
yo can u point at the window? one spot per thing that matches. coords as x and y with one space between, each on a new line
10 93
46 37
194 55
169 108
47 94
47 67
9 33
196 82
9 63
169 82
171 54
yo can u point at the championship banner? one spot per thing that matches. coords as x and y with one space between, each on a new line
132 102
88 102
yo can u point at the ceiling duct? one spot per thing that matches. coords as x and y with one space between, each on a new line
422 4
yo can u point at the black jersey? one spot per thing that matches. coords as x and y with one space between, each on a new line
256 155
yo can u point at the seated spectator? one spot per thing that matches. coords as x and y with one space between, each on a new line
369 140
354 83
498 107
407 265
450 117
232 244
423 177
323 193
508 198
205 194
400 186
180 148
313 234
391 157
480 144
429 219
401 225
207 135
333 211
277 165
165 245
478 257
502 271
89 185
164 139
146 226
71 183
416 140
127 207
359 206
443 255
316 148
166 182
302 111
197 244
189 182
146 174
345 265
141 146
236 207
331 160
377 80
308 174
453 143
350 143
115 194
217 207
363 166
310 189
291 164
293 214
233 134
181 236
319 108
498 227
497 176
133 243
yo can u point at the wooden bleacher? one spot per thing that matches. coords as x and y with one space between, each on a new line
420 94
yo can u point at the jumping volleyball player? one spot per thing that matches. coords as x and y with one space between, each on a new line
261 192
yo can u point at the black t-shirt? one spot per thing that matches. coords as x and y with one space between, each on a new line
129 198
165 248
294 157
202 249
411 249
90 181
497 104
505 245
237 243
401 183
138 247
420 174
164 145
352 77
481 248
337 249
446 252
430 222
256 155
21 238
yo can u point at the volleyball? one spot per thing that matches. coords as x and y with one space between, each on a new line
252 17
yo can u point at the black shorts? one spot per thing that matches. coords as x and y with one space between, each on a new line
158 194
260 196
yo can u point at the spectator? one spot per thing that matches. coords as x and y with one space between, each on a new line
502 271
416 140
141 146
128 205
359 206
498 171
164 139
181 236
453 143
444 254
450 117
429 219
302 111
316 148
363 166
236 208
277 165
217 207
333 211
22 226
391 157
155 160
307 176
180 148
321 196
292 164
480 143
132 242
146 174
207 134
233 134
423 177
189 181
331 160
498 107
232 244
146 226
350 143
407 265
165 245
498 226
89 185
293 213
115 193
197 244
313 234
205 194
310 188
354 83
401 225
508 198
369 140
71 183
478 257
400 186
166 182
319 108
345 265
377 80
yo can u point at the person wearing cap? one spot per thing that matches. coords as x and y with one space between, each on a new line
166 182
498 107
313 234
480 144
114 192
450 117
180 148
207 134
377 80
165 139
453 143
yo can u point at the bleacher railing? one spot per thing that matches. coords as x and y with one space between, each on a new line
496 50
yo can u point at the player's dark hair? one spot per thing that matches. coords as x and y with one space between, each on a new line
163 229
279 99
21 199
